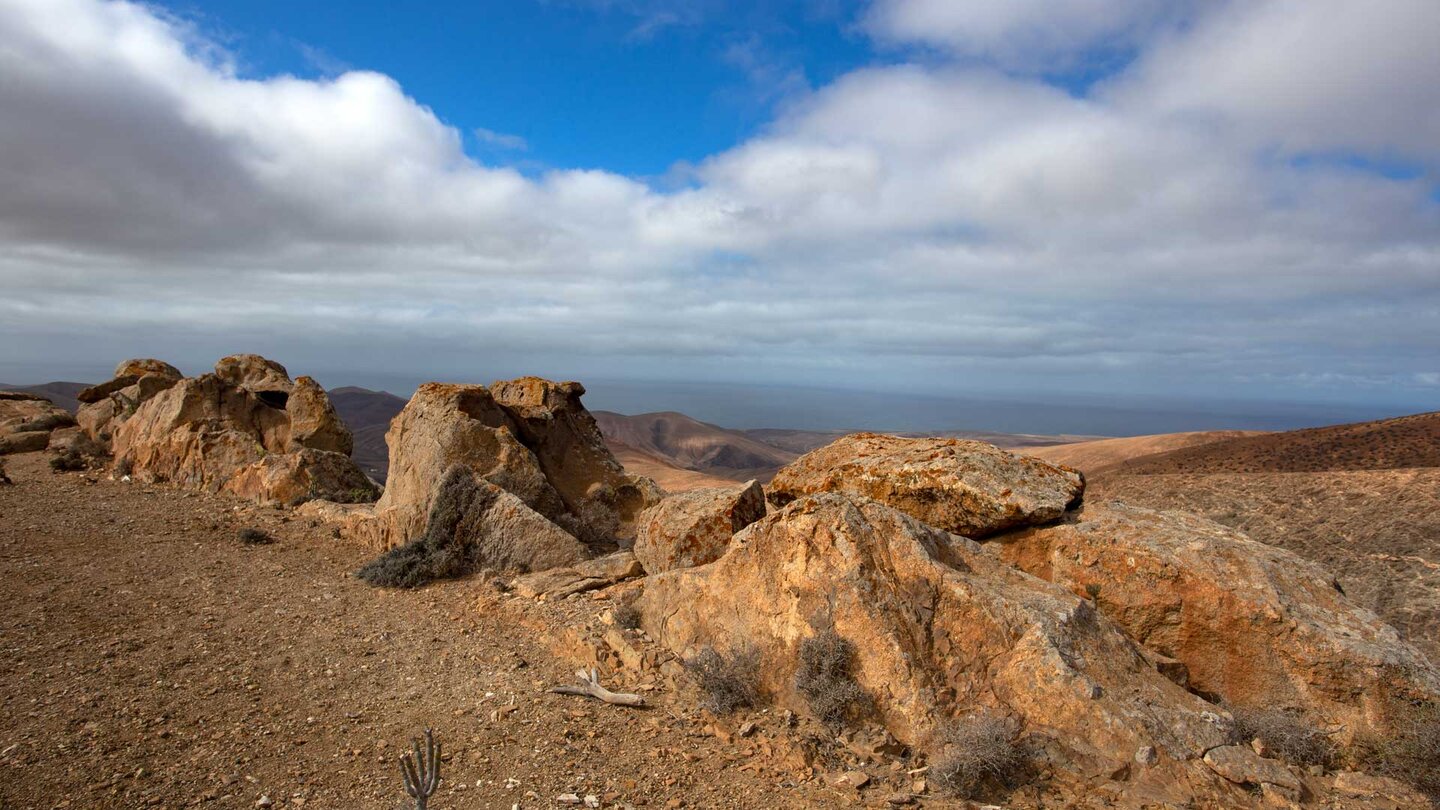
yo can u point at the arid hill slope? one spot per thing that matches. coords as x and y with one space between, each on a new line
1361 499
691 444
661 471
60 393
368 413
1387 444
1093 456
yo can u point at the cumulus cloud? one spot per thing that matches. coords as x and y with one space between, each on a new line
955 224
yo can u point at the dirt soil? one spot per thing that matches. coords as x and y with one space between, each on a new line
151 659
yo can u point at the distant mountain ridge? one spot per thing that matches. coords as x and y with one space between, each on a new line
368 413
60 393
690 444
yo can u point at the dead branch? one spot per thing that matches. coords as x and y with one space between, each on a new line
590 687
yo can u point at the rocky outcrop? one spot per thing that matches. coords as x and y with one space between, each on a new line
27 421
539 444
942 629
1255 626
590 575
103 407
694 528
213 432
966 487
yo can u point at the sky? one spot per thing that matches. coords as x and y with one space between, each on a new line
1217 201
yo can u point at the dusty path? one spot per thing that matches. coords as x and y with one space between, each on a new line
149 659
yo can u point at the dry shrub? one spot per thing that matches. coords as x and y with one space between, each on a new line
124 467
728 680
979 753
79 455
440 552
1410 753
826 677
1289 735
627 614
4 479
254 537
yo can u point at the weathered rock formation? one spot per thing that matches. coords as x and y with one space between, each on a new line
1255 626
942 629
214 432
530 437
966 487
27 422
694 528
103 407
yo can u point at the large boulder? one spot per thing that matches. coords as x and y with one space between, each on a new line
969 488
27 420
941 628
539 444
694 528
214 432
1255 626
103 407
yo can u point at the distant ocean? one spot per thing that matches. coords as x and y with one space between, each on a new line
809 408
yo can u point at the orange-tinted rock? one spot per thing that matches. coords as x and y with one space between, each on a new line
313 420
126 374
27 420
966 487
1254 625
942 629
694 528
289 479
258 375
103 407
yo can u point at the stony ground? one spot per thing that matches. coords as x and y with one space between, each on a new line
148 658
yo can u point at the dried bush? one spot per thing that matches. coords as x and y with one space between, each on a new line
4 479
728 680
69 460
826 676
251 536
439 553
1410 753
627 614
1289 735
124 467
979 753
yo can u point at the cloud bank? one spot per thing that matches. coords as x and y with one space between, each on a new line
1248 205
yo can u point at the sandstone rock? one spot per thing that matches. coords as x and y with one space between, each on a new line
550 420
126 374
103 407
590 575
258 375
22 412
942 630
969 488
213 432
313 420
474 525
24 442
290 479
1242 766
1367 786
693 528
1253 624
540 445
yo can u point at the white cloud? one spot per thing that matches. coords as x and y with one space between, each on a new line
501 139
936 224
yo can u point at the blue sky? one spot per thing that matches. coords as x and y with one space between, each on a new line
629 87
1136 199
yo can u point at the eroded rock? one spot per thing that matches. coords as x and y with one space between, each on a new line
969 488
1254 625
694 528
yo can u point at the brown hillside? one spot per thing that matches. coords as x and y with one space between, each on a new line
694 445
1387 444
662 472
60 393
1093 456
368 413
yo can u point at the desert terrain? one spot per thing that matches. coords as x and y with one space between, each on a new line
215 604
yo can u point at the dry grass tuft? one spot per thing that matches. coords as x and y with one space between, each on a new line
254 537
1289 735
979 753
826 677
727 680
1409 754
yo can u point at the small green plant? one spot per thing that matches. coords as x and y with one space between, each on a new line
728 680
826 677
251 536
1288 735
979 753
422 774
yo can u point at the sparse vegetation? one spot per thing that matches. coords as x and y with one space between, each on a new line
251 536
826 676
1409 753
1288 735
422 774
978 753
728 680
438 553
627 614
4 479
78 456
124 467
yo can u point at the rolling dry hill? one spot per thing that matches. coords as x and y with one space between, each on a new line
60 393
690 444
368 413
1093 456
